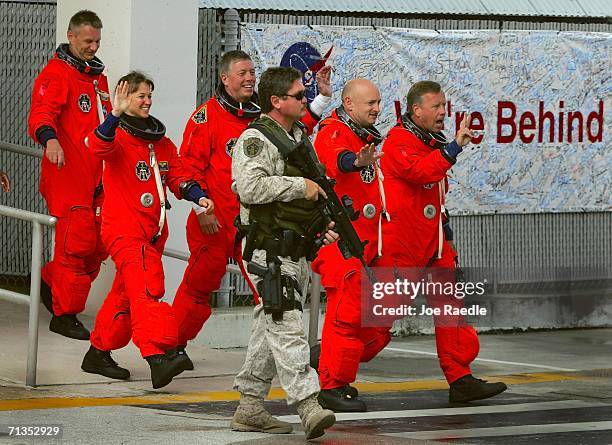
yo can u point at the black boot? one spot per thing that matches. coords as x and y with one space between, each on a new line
45 296
339 400
100 362
351 391
68 325
180 350
468 388
315 354
164 369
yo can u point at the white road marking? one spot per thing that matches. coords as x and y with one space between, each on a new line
507 430
503 362
483 409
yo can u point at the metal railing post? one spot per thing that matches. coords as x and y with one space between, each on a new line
224 291
315 303
52 244
37 246
33 300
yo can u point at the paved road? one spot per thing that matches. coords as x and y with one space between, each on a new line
560 392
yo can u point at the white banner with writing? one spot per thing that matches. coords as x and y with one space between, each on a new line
543 100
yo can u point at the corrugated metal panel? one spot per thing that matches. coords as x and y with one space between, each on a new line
594 8
400 22
566 8
554 8
531 8
209 49
27 41
537 247
462 7
514 7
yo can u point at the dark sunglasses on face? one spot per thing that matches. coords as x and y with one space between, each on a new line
298 96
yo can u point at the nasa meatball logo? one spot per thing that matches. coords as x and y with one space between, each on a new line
142 171
367 174
229 146
84 103
307 60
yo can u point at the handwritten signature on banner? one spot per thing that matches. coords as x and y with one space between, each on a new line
542 99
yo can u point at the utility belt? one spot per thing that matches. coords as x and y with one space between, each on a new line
280 230
286 244
286 229
279 293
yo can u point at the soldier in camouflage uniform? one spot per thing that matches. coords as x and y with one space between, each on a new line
278 344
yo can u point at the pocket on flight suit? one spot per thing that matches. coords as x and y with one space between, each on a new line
153 272
81 237
205 272
162 326
348 310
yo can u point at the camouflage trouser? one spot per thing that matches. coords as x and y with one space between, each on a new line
279 347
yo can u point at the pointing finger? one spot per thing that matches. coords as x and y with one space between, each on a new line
322 192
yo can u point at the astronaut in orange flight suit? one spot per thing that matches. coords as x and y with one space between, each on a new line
417 158
140 161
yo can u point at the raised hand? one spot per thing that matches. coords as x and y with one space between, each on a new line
324 80
367 155
464 134
121 101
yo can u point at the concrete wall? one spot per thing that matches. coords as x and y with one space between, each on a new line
159 37
230 328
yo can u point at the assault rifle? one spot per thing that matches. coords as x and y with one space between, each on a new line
334 209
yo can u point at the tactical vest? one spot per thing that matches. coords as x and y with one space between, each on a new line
285 228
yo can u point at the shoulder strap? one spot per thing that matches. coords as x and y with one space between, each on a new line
275 134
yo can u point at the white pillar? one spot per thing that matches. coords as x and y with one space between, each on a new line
160 38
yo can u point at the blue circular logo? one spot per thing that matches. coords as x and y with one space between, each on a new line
306 59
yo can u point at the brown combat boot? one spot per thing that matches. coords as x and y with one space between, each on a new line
252 416
314 418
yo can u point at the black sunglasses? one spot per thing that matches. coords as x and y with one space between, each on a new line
298 96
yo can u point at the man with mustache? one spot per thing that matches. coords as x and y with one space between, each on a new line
69 99
281 223
346 144
417 159
207 146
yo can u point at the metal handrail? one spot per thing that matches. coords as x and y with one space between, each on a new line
315 293
38 220
179 255
315 303
231 268
20 149
223 293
